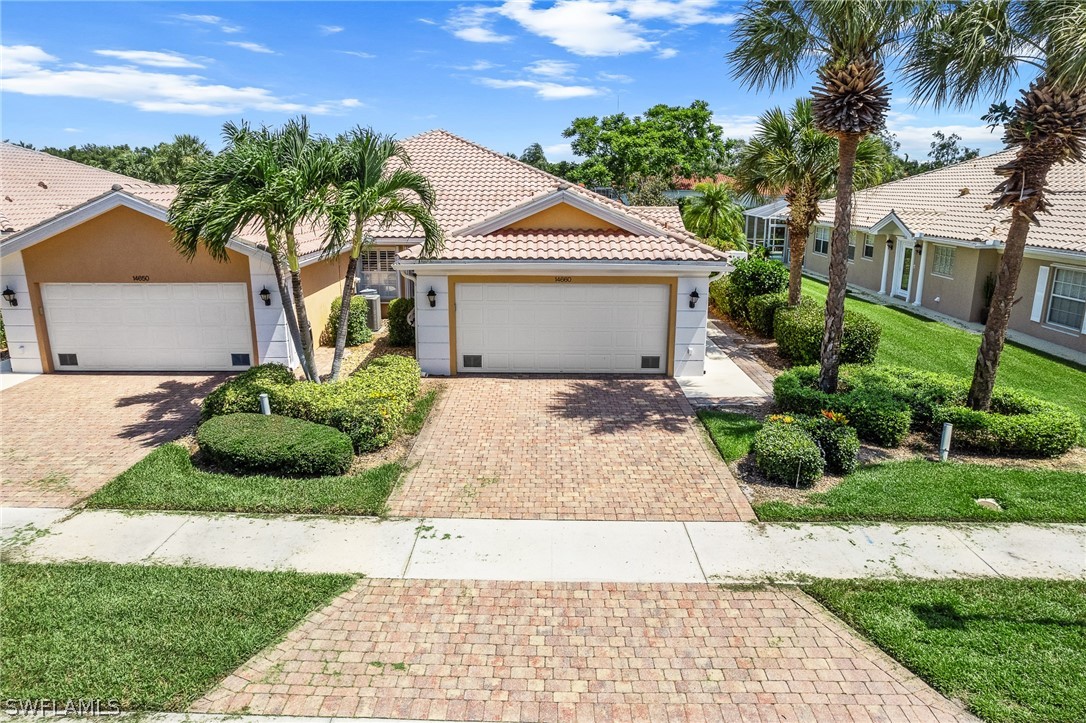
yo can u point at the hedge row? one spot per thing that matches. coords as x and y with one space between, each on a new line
884 403
358 330
400 331
368 406
751 278
259 444
799 329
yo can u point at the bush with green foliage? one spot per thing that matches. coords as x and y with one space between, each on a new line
1017 425
785 453
751 277
762 309
798 331
272 444
368 405
358 330
839 442
400 331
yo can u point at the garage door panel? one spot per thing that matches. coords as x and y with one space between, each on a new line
148 327
558 327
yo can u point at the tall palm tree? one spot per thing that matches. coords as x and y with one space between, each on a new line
716 215
968 49
372 189
789 156
847 42
257 182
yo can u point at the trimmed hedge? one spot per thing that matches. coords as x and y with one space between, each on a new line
785 453
751 277
259 444
400 331
839 442
884 403
368 406
762 309
358 330
799 329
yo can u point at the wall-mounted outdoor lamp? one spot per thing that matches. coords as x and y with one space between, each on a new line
432 296
918 248
694 296
890 244
9 296
265 296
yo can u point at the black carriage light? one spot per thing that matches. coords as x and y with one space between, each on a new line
918 248
432 296
694 296
265 296
890 244
9 296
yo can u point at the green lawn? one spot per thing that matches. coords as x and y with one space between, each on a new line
152 638
1012 650
731 433
920 343
921 490
416 418
167 480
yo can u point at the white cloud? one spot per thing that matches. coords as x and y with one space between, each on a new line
426 21
916 139
667 53
552 68
29 70
544 90
478 65
480 35
73 130
473 23
737 126
215 20
359 54
614 77
154 58
251 47
582 27
680 12
330 29
558 152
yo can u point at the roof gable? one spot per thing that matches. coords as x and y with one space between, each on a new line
562 216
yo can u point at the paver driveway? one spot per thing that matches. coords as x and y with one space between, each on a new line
65 435
464 650
568 449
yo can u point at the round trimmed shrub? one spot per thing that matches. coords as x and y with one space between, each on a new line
761 310
799 329
400 330
358 330
785 453
270 444
839 443
755 277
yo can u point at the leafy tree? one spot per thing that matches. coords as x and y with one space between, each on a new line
847 42
373 190
533 155
716 216
789 156
664 142
945 150
164 163
649 191
969 49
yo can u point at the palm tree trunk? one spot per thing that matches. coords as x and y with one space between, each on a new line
797 246
999 313
305 330
830 357
288 309
344 314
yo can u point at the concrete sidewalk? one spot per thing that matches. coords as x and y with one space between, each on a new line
542 550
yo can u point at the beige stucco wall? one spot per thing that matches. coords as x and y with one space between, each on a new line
322 282
562 216
1020 312
861 271
956 293
113 248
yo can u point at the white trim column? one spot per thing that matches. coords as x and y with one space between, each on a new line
920 257
273 343
885 265
19 322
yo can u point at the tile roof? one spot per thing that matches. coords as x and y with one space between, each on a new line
670 216
568 245
950 203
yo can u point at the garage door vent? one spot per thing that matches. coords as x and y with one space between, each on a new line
650 362
473 361
240 360
68 360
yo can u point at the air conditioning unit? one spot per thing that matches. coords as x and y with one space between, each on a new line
373 303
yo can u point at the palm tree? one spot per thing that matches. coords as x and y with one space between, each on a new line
716 215
965 50
847 42
261 180
373 189
788 156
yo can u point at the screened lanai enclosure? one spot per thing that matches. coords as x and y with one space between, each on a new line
766 228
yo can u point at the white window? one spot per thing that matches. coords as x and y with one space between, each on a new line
822 240
777 237
942 264
869 246
1067 301
852 245
375 272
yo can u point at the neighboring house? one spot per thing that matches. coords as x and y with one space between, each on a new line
567 280
766 226
685 188
930 240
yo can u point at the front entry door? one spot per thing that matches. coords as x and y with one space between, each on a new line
903 269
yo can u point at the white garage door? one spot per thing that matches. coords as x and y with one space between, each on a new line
562 327
148 327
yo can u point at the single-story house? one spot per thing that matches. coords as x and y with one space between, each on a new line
930 241
536 275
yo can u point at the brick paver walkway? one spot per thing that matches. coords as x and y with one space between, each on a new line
588 652
65 435
568 449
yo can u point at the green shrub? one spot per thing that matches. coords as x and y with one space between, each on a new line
839 442
358 330
756 277
798 331
368 405
259 444
785 453
1017 425
728 300
761 310
400 331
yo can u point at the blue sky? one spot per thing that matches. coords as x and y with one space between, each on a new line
505 74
